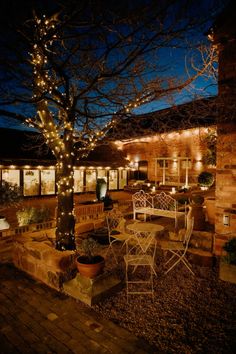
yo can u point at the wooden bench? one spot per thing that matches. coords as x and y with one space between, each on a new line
160 205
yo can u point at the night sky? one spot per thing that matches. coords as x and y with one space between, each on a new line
14 12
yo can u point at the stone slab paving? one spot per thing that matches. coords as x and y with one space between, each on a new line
36 319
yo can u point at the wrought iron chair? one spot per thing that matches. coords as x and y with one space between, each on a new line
116 229
178 249
140 252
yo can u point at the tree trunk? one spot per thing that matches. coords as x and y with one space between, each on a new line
65 234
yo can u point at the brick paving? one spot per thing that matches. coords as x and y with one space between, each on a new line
37 319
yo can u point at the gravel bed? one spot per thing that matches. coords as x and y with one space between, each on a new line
189 314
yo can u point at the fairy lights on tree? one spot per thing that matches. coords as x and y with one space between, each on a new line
59 130
92 66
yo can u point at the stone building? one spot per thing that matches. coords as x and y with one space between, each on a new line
178 154
224 37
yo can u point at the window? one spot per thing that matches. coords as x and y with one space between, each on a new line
113 179
90 180
47 182
78 181
31 182
11 176
162 163
122 178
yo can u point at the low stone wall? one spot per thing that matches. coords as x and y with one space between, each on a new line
85 212
42 261
31 248
6 237
201 248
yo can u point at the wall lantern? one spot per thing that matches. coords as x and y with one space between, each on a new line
226 219
3 223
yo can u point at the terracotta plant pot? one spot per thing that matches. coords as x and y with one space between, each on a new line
90 269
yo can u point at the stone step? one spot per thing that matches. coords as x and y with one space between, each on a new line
201 257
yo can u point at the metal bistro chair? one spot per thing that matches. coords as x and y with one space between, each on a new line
178 249
116 229
140 252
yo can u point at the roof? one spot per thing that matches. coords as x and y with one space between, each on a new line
224 27
24 148
198 113
21 148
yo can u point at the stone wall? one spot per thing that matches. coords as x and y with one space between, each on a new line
6 237
185 143
42 261
226 145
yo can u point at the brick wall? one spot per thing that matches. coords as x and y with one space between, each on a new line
226 145
185 143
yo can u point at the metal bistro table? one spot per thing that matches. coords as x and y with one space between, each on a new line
145 227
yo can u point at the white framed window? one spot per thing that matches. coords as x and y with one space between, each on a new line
47 182
30 182
78 181
11 176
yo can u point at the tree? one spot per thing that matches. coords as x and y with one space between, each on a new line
91 63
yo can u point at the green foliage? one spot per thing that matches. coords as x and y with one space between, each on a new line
183 200
197 199
206 179
230 248
108 202
32 215
10 195
209 158
90 247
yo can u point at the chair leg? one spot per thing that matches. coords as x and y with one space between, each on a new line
180 259
114 255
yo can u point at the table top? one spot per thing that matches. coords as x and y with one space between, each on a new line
145 227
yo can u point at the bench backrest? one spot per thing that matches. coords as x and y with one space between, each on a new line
142 199
164 201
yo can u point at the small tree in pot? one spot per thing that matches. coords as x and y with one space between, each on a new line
90 264
206 179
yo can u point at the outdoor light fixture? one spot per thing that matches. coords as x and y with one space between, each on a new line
3 223
226 219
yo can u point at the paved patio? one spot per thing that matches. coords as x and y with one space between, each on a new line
37 319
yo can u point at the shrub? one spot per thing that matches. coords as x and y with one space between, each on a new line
183 200
90 248
206 179
197 199
10 195
33 215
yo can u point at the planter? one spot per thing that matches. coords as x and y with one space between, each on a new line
3 223
227 272
90 270
199 217
210 210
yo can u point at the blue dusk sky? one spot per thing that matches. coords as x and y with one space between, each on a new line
175 59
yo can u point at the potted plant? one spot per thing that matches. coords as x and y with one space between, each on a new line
196 202
90 264
228 262
206 179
